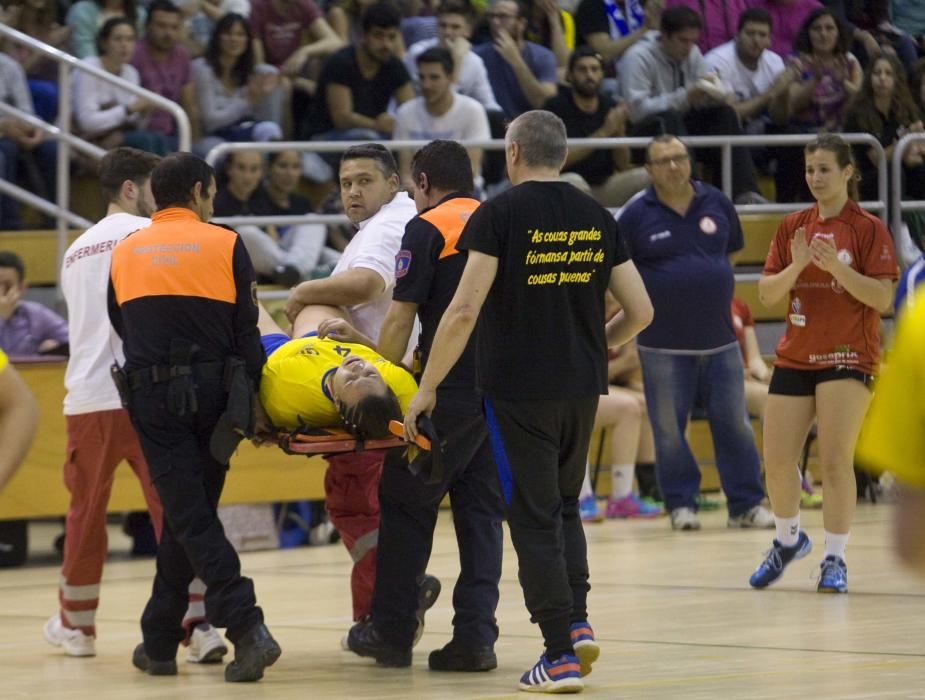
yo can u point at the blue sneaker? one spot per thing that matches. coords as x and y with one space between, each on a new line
777 559
586 647
589 511
833 575
560 676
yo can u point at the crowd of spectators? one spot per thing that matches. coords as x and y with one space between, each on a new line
262 70
269 70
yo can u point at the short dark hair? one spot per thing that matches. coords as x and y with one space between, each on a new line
437 54
173 179
456 7
109 26
446 164
162 6
758 15
583 51
679 18
381 15
124 163
802 42
664 138
369 417
541 137
10 259
376 152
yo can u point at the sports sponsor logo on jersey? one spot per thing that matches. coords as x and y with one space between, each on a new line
661 235
708 225
796 318
402 263
844 256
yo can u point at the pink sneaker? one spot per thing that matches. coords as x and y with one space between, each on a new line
631 507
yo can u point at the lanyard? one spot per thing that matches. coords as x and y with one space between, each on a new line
621 23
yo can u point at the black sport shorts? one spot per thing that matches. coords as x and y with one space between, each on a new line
802 382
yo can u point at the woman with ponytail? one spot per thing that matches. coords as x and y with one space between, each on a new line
837 265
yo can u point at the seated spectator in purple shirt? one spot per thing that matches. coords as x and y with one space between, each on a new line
163 65
522 74
26 327
279 26
720 18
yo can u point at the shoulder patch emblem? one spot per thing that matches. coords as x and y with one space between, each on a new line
402 263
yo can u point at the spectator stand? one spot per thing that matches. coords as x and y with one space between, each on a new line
61 210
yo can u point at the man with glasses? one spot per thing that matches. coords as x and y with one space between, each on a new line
682 234
522 74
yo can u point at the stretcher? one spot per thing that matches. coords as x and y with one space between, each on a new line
424 456
315 441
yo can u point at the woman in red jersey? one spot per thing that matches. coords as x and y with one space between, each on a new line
837 264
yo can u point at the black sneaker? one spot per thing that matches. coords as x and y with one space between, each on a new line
428 592
141 661
254 652
364 640
459 657
286 276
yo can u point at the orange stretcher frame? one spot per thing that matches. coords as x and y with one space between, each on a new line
314 441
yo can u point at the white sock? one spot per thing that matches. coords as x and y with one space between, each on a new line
586 484
621 480
788 530
836 544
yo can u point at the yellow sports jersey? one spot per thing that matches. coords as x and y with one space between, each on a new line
3 361
292 385
893 436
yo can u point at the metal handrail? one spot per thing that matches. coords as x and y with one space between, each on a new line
65 139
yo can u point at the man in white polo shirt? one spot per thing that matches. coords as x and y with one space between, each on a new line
362 284
752 74
99 433
440 113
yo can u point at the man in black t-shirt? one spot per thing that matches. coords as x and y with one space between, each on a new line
589 113
540 258
357 83
427 270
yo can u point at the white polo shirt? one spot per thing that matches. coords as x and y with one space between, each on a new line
739 79
374 247
94 343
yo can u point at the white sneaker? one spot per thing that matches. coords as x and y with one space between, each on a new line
205 646
684 519
74 642
757 517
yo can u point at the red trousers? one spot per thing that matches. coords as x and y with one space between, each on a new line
96 444
351 487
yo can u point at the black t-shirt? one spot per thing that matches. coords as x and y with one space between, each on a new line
263 205
598 166
226 204
590 18
541 330
370 97
427 272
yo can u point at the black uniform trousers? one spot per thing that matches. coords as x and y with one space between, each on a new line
408 514
189 482
541 448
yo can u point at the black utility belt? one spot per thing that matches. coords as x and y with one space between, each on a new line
158 374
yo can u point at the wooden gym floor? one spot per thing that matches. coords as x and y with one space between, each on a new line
673 613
